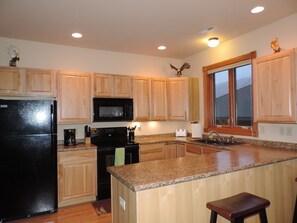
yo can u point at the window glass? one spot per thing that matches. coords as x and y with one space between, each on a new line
243 96
221 98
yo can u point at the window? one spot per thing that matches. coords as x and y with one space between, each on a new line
228 96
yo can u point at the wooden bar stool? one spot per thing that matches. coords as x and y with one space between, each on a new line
238 207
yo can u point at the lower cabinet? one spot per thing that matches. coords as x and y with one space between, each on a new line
175 150
77 177
154 151
194 149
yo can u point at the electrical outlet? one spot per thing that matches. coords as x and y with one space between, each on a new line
122 203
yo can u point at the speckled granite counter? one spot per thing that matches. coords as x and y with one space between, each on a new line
153 174
81 146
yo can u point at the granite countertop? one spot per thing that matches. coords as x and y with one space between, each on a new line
142 176
77 147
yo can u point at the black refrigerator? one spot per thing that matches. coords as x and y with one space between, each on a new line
28 158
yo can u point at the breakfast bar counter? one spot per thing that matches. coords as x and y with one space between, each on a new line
168 190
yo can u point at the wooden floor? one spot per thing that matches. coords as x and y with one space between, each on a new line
82 213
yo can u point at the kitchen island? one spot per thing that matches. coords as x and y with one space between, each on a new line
177 190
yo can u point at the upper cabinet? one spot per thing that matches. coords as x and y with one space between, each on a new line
150 99
274 87
27 82
116 86
183 96
10 81
40 82
74 97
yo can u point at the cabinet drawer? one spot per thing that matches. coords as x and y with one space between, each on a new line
77 155
152 152
191 148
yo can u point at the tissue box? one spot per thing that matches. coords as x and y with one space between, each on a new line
180 132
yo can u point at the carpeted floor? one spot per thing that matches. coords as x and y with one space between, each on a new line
102 207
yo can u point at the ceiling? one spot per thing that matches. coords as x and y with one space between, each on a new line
137 26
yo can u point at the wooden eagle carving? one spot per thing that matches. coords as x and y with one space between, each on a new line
179 70
275 45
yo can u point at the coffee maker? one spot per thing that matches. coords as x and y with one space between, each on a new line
69 137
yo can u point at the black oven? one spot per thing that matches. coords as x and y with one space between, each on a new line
107 140
112 109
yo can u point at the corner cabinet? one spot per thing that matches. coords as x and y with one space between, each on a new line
74 97
183 100
77 177
274 87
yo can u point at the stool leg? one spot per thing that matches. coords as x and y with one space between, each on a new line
213 217
263 216
237 220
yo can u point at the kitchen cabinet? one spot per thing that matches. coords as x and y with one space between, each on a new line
153 151
174 150
74 97
274 87
150 99
40 82
141 98
27 82
183 99
158 99
193 149
77 177
116 86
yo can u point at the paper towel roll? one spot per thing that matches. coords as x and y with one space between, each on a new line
196 130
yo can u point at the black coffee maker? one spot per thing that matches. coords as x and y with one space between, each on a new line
69 137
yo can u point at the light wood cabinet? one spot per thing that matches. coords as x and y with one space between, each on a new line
27 82
158 99
274 87
150 99
193 149
183 99
174 150
141 98
116 86
154 151
40 82
74 97
77 177
10 81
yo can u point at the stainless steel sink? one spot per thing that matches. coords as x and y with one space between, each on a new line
218 142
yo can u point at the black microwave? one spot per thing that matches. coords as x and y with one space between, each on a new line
112 109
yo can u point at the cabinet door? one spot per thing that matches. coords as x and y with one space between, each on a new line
10 81
170 151
155 151
192 150
158 99
40 82
180 150
122 86
207 150
74 97
77 177
274 88
103 85
141 98
178 98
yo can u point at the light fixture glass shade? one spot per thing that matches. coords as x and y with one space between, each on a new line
76 35
213 42
257 9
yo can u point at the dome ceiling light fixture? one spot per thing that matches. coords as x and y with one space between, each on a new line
213 42
76 35
257 9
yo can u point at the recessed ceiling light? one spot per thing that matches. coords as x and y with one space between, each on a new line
161 47
76 35
213 42
257 9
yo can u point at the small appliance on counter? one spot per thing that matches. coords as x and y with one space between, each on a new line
131 134
69 137
180 132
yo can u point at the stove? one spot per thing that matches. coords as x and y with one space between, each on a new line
107 140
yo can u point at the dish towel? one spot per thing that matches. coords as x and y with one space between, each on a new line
119 156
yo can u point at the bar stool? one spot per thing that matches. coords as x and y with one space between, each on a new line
238 207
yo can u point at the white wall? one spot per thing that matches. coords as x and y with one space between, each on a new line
258 40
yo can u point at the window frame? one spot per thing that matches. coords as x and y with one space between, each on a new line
209 98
